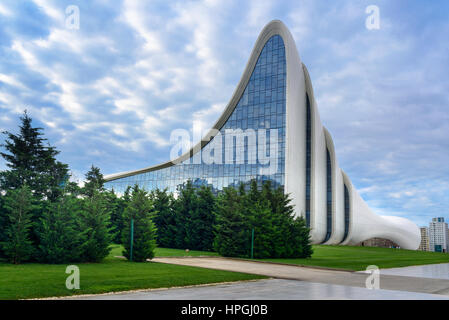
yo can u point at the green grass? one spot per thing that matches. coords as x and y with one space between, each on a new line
358 258
165 252
43 280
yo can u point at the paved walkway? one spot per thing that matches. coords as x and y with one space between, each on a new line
434 271
271 289
344 278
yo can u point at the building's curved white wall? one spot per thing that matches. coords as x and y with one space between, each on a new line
364 224
318 168
337 194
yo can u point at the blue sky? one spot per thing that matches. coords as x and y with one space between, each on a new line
110 93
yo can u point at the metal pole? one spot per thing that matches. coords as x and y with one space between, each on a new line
132 241
252 243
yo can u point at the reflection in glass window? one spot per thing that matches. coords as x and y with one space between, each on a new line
262 105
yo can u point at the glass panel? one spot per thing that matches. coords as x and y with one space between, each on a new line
261 106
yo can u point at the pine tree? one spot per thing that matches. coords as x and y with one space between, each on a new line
299 238
32 162
115 207
61 234
3 219
260 217
289 236
141 211
95 223
118 215
17 246
94 181
185 206
204 220
232 236
165 219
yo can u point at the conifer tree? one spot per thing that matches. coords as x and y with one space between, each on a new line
115 207
31 160
95 223
94 181
260 216
299 240
202 225
141 211
16 245
118 215
165 219
232 236
185 206
60 232
3 219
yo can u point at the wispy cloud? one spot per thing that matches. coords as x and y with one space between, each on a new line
111 92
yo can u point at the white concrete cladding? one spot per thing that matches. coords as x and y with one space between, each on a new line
363 224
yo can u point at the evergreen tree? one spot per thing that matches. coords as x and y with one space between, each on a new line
290 236
95 223
232 236
299 240
17 246
73 188
202 226
141 211
165 219
32 162
281 218
60 232
118 215
260 216
94 181
3 219
186 205
277 233
115 206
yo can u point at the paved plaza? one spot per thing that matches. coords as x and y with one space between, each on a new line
271 289
300 283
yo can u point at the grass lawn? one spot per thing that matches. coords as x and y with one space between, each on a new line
358 258
43 280
164 252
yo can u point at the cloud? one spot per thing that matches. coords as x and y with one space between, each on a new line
111 92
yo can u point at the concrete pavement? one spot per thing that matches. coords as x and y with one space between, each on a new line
289 272
270 289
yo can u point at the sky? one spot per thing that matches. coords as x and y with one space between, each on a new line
110 92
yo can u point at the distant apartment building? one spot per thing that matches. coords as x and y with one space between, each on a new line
425 244
438 235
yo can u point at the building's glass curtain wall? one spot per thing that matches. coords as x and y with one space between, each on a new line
346 213
328 196
308 158
261 106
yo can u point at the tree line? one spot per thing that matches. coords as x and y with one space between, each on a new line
45 217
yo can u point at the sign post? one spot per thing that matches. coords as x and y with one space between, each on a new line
252 243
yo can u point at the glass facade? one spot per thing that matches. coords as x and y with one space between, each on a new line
261 109
328 196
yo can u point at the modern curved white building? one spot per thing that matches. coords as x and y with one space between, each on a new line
271 130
